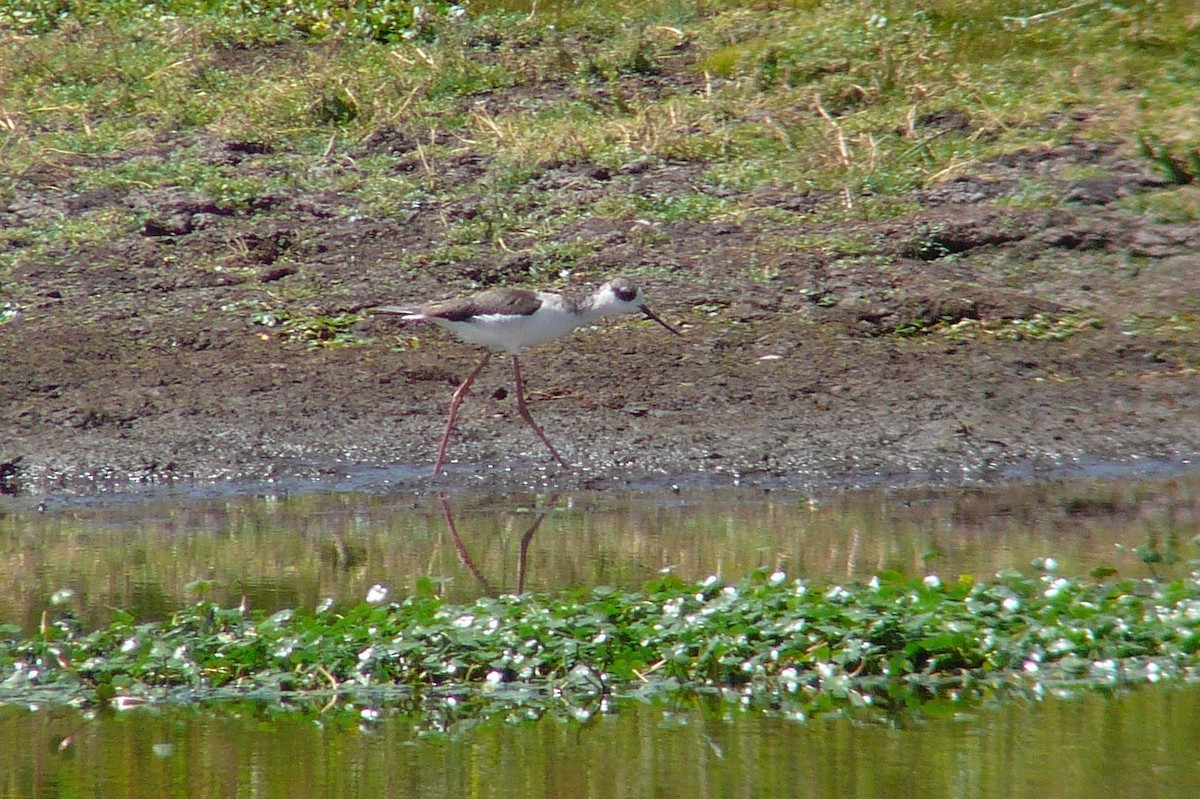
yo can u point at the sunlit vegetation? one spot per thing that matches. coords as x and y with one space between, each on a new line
1037 327
316 331
769 640
868 100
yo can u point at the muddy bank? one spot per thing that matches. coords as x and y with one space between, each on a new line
954 342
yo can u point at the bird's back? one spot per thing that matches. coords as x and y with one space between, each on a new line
504 320
508 302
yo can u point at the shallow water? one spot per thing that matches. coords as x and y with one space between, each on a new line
154 555
1142 743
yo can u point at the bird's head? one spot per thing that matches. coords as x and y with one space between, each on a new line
621 295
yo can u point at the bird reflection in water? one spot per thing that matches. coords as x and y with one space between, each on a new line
464 557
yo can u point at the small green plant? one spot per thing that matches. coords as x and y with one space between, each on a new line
674 207
1156 555
334 330
920 327
1038 327
1044 326
554 256
1181 169
339 106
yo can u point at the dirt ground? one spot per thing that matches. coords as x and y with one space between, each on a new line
143 360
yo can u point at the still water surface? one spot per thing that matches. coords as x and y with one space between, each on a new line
1142 744
152 556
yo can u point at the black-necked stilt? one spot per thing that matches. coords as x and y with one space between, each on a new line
509 320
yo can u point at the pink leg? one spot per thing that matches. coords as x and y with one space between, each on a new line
525 415
454 403
461 550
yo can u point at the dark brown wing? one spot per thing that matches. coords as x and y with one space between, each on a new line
512 302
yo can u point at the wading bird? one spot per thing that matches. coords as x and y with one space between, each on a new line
509 320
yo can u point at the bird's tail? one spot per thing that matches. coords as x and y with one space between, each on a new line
407 313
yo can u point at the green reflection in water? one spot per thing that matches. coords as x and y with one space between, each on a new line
151 557
1143 743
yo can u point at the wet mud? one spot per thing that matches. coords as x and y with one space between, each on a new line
966 339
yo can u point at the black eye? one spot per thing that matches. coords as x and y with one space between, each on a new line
625 291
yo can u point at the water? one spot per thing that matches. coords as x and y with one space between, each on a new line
150 556
1142 744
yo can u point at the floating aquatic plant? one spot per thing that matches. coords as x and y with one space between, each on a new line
768 640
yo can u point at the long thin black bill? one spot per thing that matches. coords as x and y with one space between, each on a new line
652 315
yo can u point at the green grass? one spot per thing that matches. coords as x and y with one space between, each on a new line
865 100
247 22
823 94
1178 205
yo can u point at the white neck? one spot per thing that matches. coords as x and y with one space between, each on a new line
602 303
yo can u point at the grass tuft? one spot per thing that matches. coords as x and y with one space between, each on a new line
1179 168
